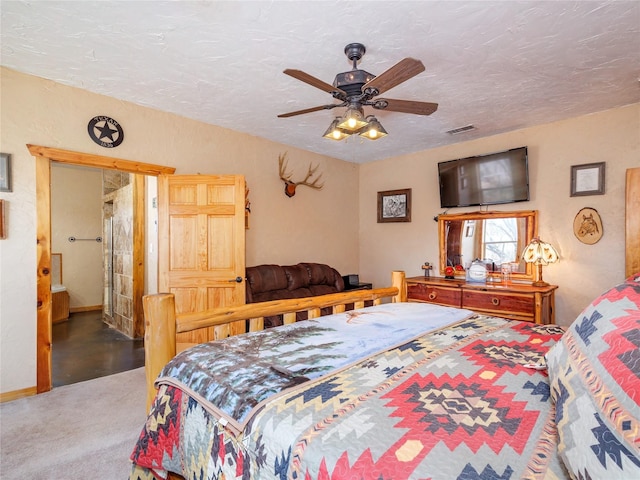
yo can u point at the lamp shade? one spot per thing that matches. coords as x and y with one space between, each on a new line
353 120
374 130
539 252
334 132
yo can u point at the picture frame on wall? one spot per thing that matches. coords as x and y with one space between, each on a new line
5 172
394 206
3 231
469 230
587 179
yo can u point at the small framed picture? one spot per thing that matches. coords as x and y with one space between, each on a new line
469 229
394 206
587 179
5 172
3 231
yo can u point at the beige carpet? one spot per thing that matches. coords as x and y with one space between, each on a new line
82 431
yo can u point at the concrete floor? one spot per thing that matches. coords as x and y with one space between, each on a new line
84 347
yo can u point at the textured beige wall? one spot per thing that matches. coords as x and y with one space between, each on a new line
315 226
76 211
336 225
584 271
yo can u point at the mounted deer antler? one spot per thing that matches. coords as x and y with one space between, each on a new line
289 185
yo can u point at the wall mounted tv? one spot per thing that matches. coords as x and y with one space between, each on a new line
491 179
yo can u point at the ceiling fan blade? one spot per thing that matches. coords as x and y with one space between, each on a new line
405 106
400 72
314 82
308 110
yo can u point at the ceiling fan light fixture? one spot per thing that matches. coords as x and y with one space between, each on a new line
334 132
358 88
374 130
353 120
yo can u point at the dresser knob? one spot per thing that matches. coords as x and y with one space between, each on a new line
432 296
495 301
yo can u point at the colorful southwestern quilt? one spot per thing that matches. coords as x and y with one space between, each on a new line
459 402
594 373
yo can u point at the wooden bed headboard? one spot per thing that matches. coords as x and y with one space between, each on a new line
162 323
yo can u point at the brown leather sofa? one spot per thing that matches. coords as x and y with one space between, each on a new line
276 282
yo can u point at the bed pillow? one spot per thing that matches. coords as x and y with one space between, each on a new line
594 373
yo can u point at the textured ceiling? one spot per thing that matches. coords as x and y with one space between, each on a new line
497 65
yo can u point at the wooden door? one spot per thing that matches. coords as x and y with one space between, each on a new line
632 222
201 246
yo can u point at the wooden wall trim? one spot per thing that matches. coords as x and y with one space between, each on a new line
86 308
139 242
43 299
17 394
98 161
43 157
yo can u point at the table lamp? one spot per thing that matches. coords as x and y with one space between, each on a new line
539 253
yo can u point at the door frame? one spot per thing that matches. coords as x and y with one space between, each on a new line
43 158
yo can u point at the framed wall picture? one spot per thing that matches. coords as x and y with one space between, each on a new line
469 229
5 172
394 206
3 231
587 179
587 226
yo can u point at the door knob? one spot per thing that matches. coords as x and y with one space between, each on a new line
237 280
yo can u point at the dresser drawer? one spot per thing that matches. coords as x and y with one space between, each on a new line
433 294
524 302
514 304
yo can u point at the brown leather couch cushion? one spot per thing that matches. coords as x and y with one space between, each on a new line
264 278
277 282
297 277
320 274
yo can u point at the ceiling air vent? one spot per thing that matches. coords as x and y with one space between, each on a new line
466 128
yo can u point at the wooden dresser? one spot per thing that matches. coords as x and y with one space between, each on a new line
514 300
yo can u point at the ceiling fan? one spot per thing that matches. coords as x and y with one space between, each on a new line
358 88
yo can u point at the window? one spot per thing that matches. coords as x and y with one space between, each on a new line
500 240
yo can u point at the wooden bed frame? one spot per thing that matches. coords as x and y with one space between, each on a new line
162 323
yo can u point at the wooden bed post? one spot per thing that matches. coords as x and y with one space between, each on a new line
159 337
399 280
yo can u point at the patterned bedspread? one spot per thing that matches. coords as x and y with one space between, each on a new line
460 401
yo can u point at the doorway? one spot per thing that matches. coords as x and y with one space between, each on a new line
44 156
96 338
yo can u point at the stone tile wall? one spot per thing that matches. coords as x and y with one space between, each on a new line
118 207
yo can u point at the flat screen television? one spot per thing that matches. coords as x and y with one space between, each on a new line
490 179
